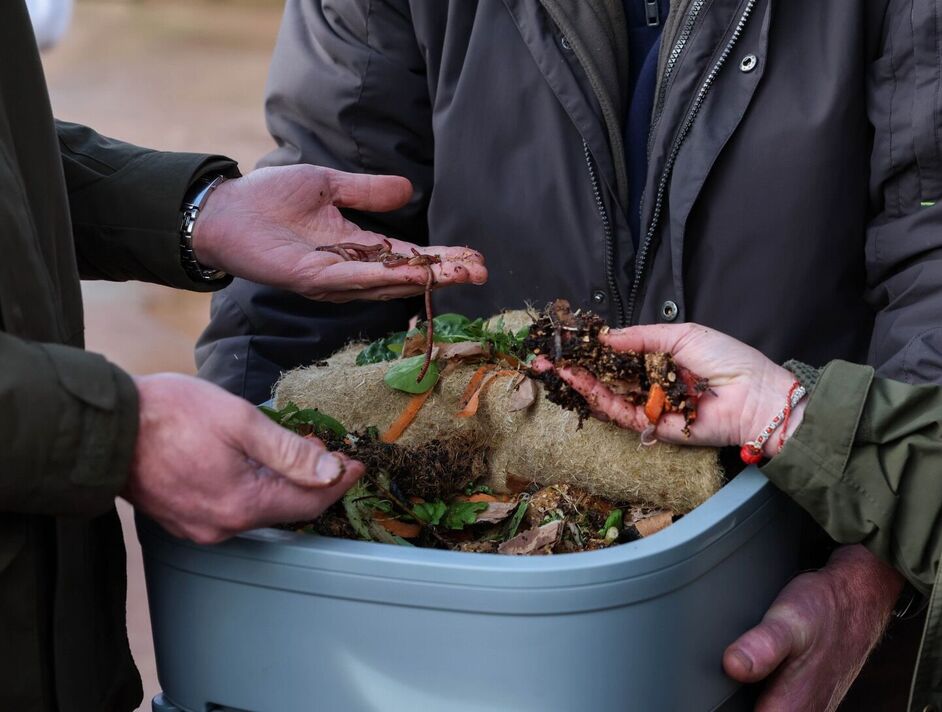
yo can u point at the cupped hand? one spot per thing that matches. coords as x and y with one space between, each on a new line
267 226
208 465
813 641
746 389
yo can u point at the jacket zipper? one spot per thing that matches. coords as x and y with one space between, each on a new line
672 59
609 237
652 12
691 117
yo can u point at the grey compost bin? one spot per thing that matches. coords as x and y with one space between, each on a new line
284 622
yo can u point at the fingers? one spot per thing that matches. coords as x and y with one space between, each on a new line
304 461
614 407
646 339
371 193
280 500
761 650
350 278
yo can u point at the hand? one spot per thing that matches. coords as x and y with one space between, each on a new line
748 390
817 635
208 465
265 227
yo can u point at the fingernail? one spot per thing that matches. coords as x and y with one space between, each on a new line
330 468
743 659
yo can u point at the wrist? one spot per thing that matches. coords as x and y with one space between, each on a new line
877 584
196 236
776 389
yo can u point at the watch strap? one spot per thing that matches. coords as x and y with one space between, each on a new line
193 203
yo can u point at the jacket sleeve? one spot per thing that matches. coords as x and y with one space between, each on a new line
70 422
904 238
125 203
866 464
347 89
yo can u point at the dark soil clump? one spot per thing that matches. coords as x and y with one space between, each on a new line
571 339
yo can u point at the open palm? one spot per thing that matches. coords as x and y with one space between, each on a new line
746 388
267 226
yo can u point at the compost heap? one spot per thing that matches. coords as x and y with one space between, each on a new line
471 457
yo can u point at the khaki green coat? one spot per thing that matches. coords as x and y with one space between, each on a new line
71 203
866 463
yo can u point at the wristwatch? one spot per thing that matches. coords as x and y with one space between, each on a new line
193 202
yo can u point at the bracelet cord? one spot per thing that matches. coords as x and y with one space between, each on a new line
751 452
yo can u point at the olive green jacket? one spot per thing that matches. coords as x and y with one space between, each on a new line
71 203
866 463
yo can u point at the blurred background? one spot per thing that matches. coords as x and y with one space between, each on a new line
183 75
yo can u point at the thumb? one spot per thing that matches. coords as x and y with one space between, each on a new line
758 652
374 194
304 461
645 339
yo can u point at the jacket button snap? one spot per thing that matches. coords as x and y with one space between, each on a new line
669 310
748 63
598 296
564 41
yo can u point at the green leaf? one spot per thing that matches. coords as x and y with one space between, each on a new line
451 324
312 416
461 514
430 512
382 349
614 520
472 488
358 512
292 417
271 413
403 373
517 517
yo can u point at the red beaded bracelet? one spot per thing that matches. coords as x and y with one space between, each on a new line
751 452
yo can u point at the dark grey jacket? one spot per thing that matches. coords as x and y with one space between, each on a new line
794 165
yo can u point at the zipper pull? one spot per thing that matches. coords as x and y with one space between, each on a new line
652 11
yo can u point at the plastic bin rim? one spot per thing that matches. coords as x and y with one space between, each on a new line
740 498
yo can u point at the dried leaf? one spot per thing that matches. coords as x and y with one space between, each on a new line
654 523
462 349
524 396
538 540
496 512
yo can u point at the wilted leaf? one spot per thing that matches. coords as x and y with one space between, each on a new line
523 396
496 512
534 541
654 523
462 349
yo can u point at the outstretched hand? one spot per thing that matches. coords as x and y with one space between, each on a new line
746 388
267 226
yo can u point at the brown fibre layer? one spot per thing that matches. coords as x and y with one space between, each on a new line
543 443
